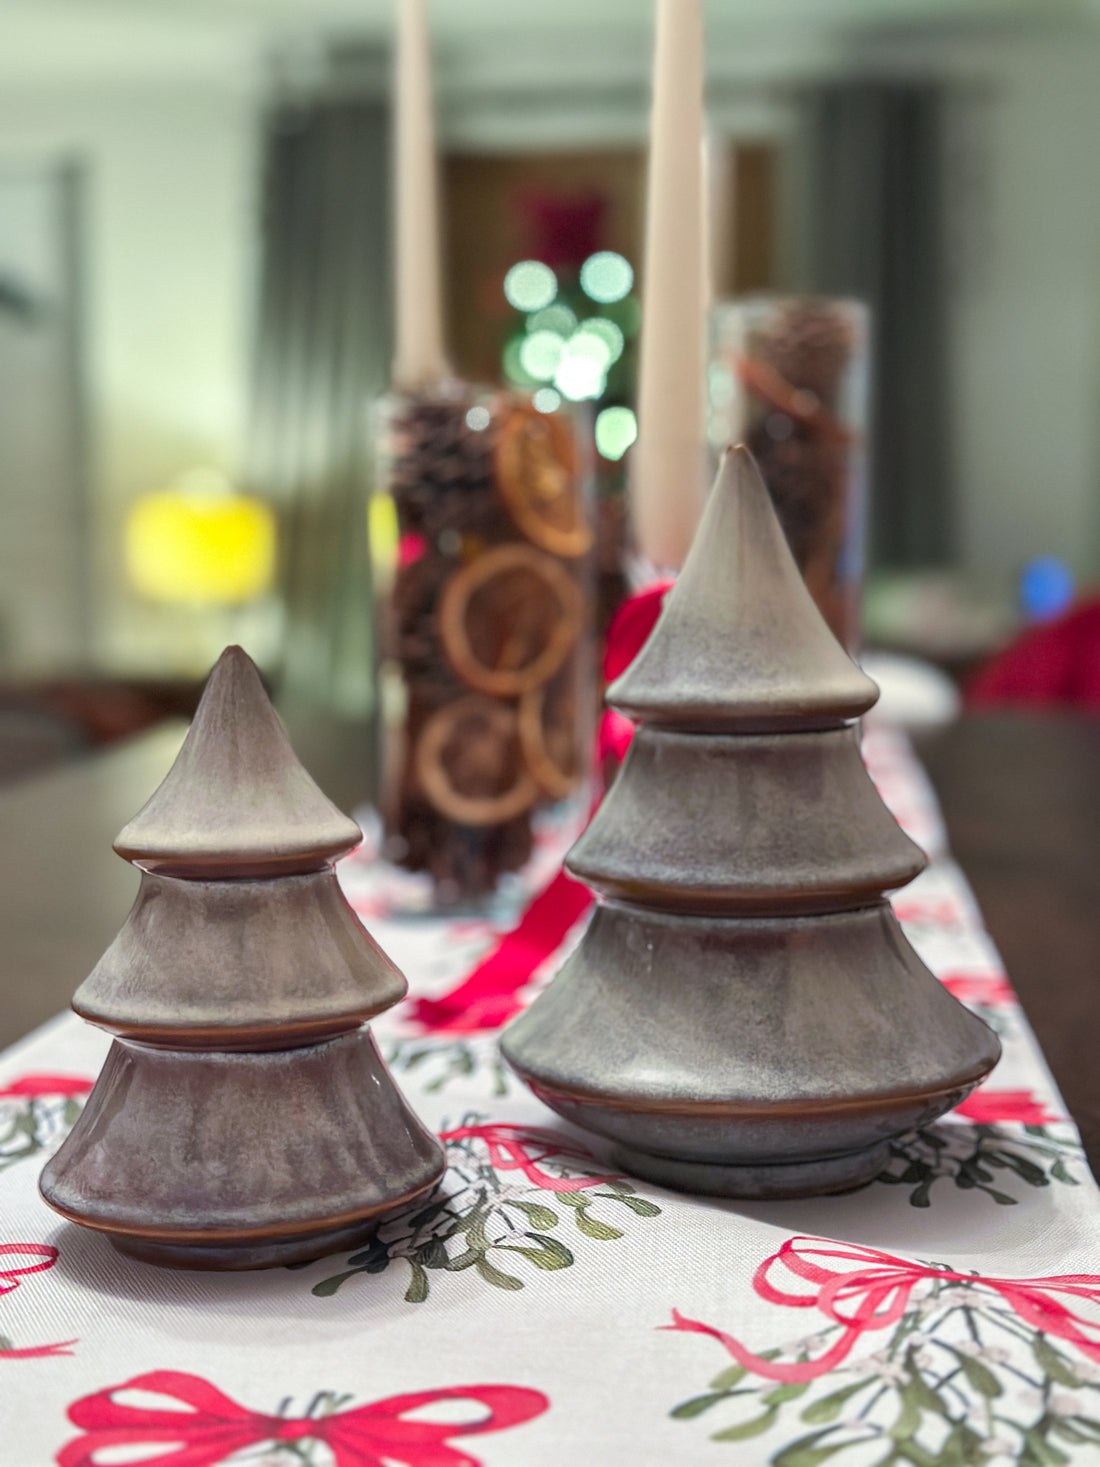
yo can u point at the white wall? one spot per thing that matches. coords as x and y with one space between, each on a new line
1026 306
169 253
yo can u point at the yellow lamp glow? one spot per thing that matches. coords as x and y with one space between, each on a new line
382 529
200 547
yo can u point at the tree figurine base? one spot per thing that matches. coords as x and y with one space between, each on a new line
258 1251
774 1181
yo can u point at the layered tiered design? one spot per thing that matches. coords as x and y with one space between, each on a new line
744 1015
244 1117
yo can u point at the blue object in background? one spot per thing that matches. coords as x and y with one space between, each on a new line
1046 587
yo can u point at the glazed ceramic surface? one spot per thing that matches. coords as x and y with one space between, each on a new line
743 1015
244 1117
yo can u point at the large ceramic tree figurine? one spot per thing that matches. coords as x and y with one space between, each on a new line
244 1117
744 1015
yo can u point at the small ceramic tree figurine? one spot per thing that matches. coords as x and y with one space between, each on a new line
743 1015
244 1117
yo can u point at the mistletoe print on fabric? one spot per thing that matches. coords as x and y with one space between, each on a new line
508 1194
912 1363
437 1063
37 1112
17 1262
207 1427
991 1159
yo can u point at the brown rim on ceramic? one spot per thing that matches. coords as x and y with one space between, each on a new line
233 1039
267 1233
536 476
454 605
435 782
803 1108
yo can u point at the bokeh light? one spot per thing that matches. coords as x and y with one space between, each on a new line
557 317
607 332
477 418
546 400
582 370
513 367
606 276
200 547
1046 587
530 285
541 353
616 430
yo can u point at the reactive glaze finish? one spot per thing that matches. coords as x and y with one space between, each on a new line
161 1160
236 802
767 823
244 1119
239 964
740 646
744 1016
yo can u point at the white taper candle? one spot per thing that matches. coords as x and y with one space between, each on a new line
419 358
667 470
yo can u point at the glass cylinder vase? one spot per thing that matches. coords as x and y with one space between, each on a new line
483 549
789 377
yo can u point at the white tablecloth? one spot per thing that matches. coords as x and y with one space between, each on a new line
540 1310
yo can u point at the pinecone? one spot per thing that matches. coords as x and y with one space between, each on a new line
442 482
809 346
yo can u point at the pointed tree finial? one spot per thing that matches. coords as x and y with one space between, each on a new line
237 801
740 644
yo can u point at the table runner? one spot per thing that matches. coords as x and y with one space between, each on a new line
540 1308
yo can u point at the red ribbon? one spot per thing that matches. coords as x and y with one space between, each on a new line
522 1148
213 1427
875 1294
488 996
11 1278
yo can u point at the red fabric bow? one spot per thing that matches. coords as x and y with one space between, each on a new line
487 997
874 1294
521 1148
11 1278
213 1427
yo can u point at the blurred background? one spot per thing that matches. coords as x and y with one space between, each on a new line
195 286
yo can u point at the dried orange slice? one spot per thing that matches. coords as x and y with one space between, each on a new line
508 620
470 766
536 476
548 738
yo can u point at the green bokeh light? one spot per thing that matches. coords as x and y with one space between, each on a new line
616 430
606 276
530 285
557 318
607 332
540 354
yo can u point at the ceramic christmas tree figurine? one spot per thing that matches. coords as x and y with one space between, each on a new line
743 1015
244 1117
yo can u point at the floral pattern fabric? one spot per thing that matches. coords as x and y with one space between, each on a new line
540 1307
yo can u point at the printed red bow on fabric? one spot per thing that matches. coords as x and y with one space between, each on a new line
12 1276
487 997
213 1427
34 1085
986 1107
522 1148
874 1294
